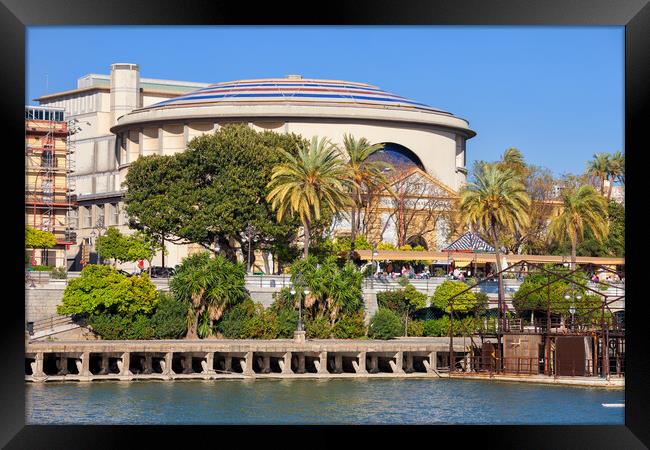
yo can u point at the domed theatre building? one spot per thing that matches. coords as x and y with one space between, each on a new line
425 143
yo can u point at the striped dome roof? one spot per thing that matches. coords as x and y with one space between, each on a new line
294 90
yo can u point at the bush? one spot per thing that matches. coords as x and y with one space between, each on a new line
102 289
462 303
42 268
170 319
117 326
59 273
233 324
140 328
318 328
415 328
437 327
349 327
438 272
385 324
259 326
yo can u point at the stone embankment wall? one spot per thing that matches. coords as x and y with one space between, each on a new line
41 301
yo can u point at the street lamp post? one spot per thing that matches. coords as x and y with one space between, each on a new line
572 309
375 253
299 288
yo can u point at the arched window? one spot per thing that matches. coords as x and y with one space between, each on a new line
398 156
416 240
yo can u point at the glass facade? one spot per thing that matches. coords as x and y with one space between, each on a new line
32 113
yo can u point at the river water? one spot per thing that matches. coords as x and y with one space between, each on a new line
318 402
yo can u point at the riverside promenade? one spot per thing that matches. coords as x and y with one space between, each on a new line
222 358
212 359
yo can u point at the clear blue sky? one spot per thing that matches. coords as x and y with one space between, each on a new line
556 93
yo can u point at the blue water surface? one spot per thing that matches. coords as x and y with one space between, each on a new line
335 401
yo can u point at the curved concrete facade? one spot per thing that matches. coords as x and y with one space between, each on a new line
307 107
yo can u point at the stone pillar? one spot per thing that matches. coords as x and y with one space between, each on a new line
187 363
37 368
227 363
374 364
124 367
432 364
248 364
148 364
409 362
286 368
166 365
104 365
397 364
62 364
338 363
85 365
266 364
322 363
360 367
208 364
301 363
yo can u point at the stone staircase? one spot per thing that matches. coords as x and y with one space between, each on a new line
52 325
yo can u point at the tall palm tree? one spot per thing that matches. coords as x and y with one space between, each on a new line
598 168
513 160
615 171
367 175
583 208
496 202
316 178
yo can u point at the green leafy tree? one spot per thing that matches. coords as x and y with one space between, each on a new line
211 192
211 285
38 239
313 180
101 289
582 209
462 303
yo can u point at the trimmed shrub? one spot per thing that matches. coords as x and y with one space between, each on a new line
318 328
140 328
349 327
385 324
170 319
415 328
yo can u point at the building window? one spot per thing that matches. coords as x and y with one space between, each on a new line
100 215
87 219
116 213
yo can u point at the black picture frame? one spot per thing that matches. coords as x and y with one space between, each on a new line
15 15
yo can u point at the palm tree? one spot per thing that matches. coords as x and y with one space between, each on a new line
583 208
598 169
513 160
496 202
615 171
211 285
316 178
366 175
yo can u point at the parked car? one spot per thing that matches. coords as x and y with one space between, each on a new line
162 272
